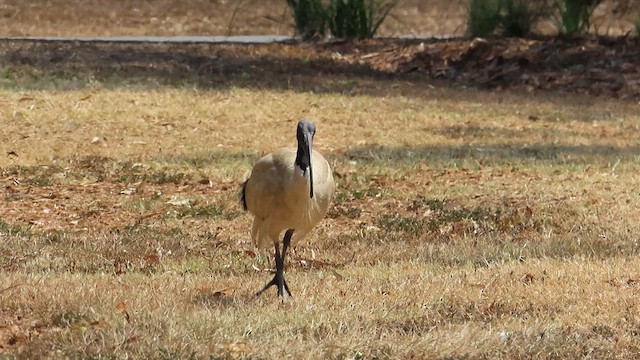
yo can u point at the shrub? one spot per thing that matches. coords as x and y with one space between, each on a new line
483 17
344 18
310 17
509 17
518 16
357 18
575 14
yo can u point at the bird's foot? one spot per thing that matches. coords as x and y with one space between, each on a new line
279 282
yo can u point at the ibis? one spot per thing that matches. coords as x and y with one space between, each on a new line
288 191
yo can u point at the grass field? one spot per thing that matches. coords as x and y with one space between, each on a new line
466 224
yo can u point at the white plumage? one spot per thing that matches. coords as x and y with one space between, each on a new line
289 191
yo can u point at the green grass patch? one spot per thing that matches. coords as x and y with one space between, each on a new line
9 229
207 211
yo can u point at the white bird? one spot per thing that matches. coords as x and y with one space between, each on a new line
289 190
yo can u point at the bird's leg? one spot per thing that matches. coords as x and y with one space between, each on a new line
285 245
278 279
275 280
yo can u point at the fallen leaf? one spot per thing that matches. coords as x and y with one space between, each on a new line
127 191
100 324
176 201
223 292
132 339
122 306
236 349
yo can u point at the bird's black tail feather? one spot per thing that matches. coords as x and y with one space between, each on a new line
243 195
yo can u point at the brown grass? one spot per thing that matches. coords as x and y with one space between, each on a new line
201 17
250 17
466 223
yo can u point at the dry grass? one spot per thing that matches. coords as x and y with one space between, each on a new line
201 17
466 224
248 17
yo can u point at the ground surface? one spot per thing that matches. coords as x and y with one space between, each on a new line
486 205
609 67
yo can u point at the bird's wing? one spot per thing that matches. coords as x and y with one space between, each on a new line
323 182
267 183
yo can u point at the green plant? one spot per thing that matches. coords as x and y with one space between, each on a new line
309 17
575 14
357 18
344 18
518 16
510 17
483 17
638 26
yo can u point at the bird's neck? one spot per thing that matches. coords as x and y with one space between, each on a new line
301 161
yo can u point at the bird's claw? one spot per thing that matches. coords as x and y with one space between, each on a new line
282 287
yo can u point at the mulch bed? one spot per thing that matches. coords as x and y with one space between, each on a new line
594 66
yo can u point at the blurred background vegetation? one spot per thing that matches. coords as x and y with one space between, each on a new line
319 19
517 18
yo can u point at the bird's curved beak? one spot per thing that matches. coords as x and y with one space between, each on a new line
308 153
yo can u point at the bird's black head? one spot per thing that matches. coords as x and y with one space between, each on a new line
305 128
305 132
